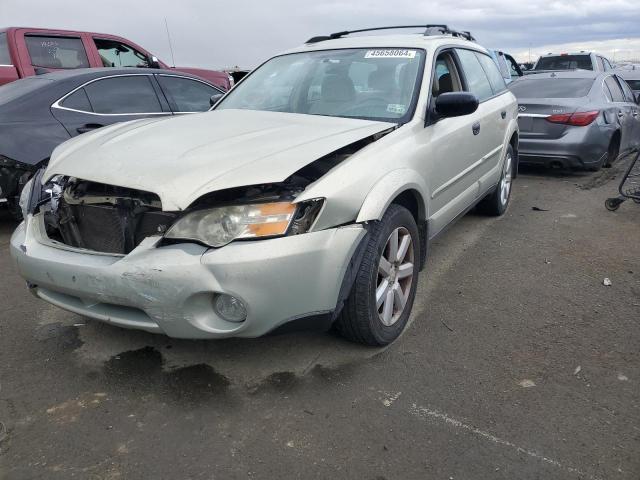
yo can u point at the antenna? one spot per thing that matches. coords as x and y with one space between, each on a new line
166 25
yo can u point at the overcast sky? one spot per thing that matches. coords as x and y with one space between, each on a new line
213 33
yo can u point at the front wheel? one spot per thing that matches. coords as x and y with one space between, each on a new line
496 202
378 307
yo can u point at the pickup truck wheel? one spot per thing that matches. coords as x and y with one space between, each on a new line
496 203
378 307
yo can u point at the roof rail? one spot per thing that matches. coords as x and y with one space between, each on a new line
429 30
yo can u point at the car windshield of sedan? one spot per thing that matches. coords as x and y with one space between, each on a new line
372 84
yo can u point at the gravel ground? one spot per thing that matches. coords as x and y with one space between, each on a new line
518 363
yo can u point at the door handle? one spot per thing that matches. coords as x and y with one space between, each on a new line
620 115
635 113
475 128
88 127
503 114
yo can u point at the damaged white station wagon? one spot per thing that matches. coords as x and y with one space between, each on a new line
306 197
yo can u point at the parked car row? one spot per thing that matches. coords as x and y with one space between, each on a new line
307 197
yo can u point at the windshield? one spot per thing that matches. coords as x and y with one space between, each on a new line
565 62
551 87
372 84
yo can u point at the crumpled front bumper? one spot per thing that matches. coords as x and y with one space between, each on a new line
170 289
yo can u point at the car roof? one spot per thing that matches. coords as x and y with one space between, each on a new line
91 73
565 74
387 41
629 74
564 54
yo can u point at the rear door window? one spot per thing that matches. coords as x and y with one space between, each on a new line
634 84
5 58
56 52
123 95
614 89
477 81
187 95
551 87
491 69
117 54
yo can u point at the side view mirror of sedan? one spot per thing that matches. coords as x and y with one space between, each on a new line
154 62
456 104
214 98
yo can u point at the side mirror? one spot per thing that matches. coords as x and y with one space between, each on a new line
153 62
214 98
456 104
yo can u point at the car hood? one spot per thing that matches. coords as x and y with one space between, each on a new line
182 158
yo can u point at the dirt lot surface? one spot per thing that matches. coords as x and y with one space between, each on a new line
518 364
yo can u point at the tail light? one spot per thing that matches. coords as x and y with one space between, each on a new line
577 119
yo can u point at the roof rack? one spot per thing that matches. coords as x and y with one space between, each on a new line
429 30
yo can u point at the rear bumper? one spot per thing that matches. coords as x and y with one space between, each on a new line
170 289
579 147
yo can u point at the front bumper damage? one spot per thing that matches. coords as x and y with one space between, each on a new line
170 289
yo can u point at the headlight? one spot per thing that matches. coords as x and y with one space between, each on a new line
218 226
25 195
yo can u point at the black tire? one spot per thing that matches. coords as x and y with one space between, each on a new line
495 204
613 204
360 320
612 152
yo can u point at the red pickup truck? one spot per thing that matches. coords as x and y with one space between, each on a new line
31 51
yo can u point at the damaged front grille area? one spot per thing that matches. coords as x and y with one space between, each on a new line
103 218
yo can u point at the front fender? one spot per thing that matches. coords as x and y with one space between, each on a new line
388 188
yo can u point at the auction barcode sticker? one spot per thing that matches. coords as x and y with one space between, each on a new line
391 53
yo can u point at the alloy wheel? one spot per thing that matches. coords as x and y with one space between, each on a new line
505 183
395 276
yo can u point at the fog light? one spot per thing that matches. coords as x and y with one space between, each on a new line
230 308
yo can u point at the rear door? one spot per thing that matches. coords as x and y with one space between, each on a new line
109 100
624 114
635 113
491 117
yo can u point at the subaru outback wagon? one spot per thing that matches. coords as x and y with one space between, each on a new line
307 197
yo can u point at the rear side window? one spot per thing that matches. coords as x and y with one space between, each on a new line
5 58
56 52
614 89
634 84
187 95
78 100
491 69
123 95
477 81
565 62
551 87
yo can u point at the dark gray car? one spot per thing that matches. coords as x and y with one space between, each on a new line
576 119
39 113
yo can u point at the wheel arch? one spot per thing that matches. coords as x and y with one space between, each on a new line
402 187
